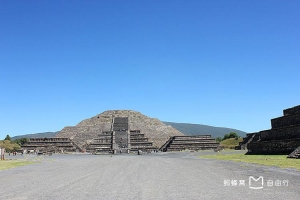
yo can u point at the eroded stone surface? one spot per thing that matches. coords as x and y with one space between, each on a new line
86 130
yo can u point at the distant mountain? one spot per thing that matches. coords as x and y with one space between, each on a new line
36 135
185 128
198 129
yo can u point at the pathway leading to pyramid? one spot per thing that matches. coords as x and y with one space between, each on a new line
153 176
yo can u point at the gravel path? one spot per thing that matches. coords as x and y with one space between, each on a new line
152 176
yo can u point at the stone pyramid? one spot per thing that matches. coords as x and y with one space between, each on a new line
84 132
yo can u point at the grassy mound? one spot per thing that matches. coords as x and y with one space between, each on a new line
231 143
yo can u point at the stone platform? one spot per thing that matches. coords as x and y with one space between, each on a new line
197 142
51 145
282 138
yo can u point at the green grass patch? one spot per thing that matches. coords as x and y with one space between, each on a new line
268 160
7 164
231 142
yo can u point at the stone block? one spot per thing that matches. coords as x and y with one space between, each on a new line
273 147
288 120
199 142
280 133
121 120
292 110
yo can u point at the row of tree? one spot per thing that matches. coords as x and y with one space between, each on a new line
227 136
14 145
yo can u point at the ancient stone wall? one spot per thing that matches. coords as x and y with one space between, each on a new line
199 142
291 111
273 147
280 133
288 120
51 145
282 138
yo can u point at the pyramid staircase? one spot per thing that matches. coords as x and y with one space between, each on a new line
120 139
138 141
295 154
102 144
243 145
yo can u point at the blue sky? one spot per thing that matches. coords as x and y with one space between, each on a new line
221 63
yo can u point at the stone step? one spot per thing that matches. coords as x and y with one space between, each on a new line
273 147
197 142
103 144
280 133
284 121
139 139
192 137
149 147
293 110
102 148
247 138
181 149
48 146
194 142
243 145
295 153
132 142
137 135
104 136
192 146
135 131
145 145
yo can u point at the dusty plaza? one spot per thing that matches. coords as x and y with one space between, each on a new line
180 175
125 155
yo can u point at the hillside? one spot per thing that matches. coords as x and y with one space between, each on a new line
185 128
198 129
36 135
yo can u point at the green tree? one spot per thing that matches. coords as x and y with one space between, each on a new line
21 141
231 135
9 145
7 137
218 139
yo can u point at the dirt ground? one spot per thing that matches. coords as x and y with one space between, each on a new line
180 175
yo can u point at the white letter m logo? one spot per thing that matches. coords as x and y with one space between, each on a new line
256 183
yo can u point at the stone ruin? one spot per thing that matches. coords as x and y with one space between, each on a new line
120 130
197 142
50 145
120 139
282 138
90 131
246 140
